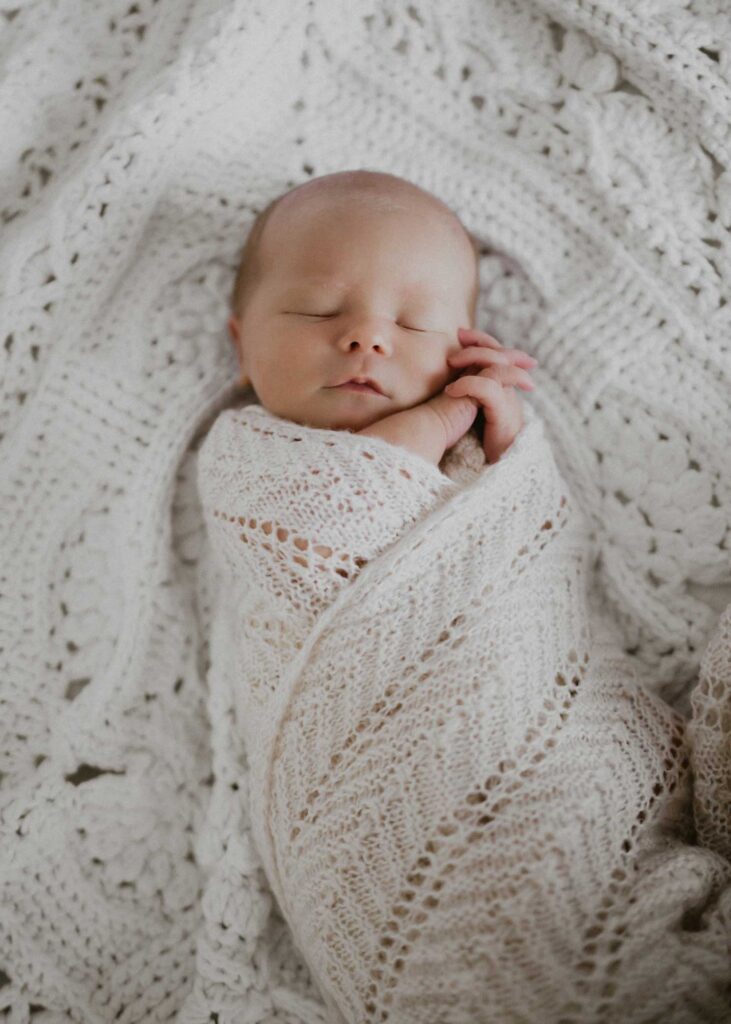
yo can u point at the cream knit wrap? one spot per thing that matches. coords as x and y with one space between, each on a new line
586 144
466 805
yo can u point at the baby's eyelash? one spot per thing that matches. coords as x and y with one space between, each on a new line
296 312
325 316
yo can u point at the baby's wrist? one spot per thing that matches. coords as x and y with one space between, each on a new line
455 416
419 429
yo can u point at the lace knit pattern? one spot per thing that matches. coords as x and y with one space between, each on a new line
585 144
455 781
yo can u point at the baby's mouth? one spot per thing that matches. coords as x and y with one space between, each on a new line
364 384
351 385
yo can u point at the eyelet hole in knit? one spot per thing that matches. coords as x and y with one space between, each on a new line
467 828
627 237
289 544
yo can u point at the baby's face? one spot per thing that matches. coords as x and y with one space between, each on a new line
351 290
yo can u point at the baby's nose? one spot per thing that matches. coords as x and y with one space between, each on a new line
367 341
370 335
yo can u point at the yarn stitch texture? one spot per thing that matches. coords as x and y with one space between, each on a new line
463 801
587 145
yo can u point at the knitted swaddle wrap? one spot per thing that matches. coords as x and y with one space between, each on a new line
587 146
454 776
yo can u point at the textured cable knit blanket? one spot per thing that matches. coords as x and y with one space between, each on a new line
587 145
455 781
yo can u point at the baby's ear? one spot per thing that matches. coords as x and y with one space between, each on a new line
234 332
232 326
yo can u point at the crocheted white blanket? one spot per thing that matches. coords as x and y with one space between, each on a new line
587 145
454 780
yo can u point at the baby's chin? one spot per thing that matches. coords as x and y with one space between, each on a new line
347 410
329 419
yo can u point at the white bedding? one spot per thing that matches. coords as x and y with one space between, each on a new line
585 144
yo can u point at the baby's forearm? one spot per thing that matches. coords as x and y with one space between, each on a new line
418 429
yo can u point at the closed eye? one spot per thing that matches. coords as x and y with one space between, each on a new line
293 312
325 316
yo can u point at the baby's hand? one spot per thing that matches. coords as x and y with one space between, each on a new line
493 387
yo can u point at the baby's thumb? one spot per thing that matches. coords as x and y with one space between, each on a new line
457 415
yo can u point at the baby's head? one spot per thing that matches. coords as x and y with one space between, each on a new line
353 274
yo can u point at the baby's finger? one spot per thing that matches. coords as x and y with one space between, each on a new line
489 393
521 358
468 336
478 356
475 337
510 375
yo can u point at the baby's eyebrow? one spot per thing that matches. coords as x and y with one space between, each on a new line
412 291
314 282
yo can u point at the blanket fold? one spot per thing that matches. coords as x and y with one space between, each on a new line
586 146
460 794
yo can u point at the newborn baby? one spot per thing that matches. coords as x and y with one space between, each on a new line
363 276
467 807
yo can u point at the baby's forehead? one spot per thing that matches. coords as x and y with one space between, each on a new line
412 208
383 196
305 238
409 287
